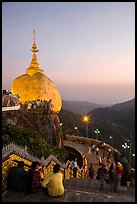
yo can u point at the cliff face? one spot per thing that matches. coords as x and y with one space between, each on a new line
43 121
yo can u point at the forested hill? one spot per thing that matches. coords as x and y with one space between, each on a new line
121 116
79 107
123 113
117 121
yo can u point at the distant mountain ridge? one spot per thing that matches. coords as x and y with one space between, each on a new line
124 105
85 107
80 107
117 111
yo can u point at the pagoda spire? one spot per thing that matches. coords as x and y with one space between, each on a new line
34 46
34 66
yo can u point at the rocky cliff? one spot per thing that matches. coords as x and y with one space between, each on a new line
43 121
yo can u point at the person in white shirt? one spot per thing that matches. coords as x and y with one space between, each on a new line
74 167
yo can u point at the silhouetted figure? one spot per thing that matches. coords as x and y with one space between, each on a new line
74 167
91 171
17 178
117 173
101 172
34 178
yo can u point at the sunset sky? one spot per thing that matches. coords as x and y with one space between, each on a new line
86 48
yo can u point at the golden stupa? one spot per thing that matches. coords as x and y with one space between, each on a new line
34 85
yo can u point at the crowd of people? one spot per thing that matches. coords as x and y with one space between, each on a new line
111 170
34 180
13 100
10 100
115 172
40 104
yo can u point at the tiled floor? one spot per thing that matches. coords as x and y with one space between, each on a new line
76 190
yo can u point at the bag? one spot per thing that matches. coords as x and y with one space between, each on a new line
97 177
107 178
119 168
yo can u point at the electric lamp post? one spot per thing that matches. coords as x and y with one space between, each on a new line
86 121
125 146
97 132
76 128
111 140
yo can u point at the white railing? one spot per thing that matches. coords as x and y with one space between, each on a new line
21 151
11 108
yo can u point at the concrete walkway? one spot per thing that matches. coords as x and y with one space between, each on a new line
92 157
76 190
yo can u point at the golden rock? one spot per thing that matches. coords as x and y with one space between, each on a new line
34 85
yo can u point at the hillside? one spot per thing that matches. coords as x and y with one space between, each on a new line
122 114
117 121
79 107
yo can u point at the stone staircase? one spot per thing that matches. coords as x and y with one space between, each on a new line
76 190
